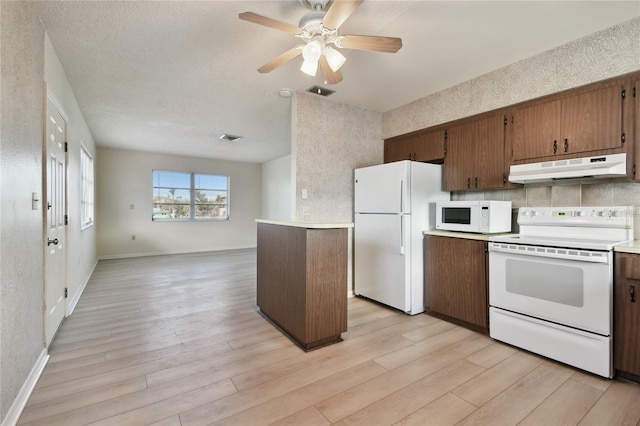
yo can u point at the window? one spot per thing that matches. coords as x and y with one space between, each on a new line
190 196
87 190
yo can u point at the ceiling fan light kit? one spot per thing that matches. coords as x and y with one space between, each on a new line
319 30
336 59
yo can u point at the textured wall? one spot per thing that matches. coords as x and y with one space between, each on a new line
21 235
329 140
599 56
124 178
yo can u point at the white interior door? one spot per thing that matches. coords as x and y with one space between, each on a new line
55 210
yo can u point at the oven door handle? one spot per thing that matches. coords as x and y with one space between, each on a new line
551 252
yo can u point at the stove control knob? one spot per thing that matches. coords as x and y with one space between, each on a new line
582 213
526 213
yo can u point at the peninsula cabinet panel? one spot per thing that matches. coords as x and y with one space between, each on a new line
626 330
577 123
456 286
475 154
302 281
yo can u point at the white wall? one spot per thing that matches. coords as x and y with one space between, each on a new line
276 188
81 244
124 178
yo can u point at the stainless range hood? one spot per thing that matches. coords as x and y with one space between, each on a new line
601 166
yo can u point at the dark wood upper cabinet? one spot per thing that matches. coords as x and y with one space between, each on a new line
635 121
587 121
597 119
475 154
424 146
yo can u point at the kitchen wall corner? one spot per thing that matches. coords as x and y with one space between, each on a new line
329 140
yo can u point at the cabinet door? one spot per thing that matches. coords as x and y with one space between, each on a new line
394 150
592 121
536 130
489 152
475 154
636 121
626 328
430 146
455 279
459 161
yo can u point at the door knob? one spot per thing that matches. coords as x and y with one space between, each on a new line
54 242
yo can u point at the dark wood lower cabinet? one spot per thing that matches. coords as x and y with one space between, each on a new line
456 285
626 322
302 282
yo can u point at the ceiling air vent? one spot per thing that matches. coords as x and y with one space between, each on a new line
322 91
228 137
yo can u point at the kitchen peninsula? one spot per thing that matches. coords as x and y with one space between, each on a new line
302 279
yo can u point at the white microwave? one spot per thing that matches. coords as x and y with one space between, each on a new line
482 216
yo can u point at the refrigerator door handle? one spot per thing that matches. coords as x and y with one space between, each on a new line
401 234
401 196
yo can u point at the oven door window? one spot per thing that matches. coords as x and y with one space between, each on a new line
563 284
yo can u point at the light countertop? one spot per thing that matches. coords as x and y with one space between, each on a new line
465 235
630 247
310 223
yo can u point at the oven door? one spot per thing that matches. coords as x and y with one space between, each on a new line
566 286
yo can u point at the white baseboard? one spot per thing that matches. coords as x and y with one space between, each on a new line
163 253
73 302
25 392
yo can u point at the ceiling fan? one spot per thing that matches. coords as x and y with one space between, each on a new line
319 31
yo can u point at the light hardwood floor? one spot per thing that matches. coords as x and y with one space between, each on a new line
177 340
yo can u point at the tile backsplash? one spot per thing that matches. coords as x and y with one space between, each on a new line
586 192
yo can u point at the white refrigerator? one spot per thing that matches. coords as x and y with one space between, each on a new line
393 204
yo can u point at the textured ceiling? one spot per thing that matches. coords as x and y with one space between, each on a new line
172 76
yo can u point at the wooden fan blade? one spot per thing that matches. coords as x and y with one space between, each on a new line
339 11
282 59
330 76
268 22
373 43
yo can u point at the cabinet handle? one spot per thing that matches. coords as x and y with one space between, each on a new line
632 291
555 146
566 145
475 182
469 183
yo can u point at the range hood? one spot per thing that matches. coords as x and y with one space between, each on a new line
602 166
